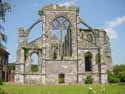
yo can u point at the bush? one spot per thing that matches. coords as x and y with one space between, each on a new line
89 79
122 76
118 74
1 82
118 69
61 80
112 78
34 68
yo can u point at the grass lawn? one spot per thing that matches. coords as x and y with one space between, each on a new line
62 89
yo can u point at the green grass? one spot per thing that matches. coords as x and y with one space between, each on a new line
61 89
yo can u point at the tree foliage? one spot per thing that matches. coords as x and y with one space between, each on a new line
11 66
34 68
40 12
122 76
112 78
118 68
4 8
117 75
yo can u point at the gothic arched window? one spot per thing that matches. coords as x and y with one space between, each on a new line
61 27
34 62
60 23
88 61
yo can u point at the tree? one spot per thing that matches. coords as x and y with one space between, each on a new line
4 8
112 78
12 66
117 75
122 76
118 68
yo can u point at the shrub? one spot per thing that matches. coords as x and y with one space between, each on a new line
34 68
122 76
89 79
61 80
112 78
1 82
118 68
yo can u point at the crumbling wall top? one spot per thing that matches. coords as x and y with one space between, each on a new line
52 7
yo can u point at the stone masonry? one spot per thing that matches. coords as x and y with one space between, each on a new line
66 53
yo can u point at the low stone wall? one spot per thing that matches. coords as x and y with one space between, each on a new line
33 79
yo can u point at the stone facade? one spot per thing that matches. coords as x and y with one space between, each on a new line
66 53
4 69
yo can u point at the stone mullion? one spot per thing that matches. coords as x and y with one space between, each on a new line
69 44
39 62
66 44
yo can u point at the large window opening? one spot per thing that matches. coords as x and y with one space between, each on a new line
88 61
35 33
34 64
61 78
61 37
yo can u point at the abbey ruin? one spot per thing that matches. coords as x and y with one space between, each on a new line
66 52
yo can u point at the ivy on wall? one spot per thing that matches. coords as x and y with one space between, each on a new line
98 58
40 12
26 53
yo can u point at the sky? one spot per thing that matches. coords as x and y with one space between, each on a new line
105 14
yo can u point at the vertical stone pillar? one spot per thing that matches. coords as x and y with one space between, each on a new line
95 69
76 39
43 51
103 67
39 62
19 72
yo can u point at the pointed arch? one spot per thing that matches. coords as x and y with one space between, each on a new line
60 22
31 36
61 27
88 61
34 62
89 27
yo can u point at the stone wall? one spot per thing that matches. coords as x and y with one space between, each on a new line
55 67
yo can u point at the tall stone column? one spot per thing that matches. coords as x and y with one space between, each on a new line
43 51
103 67
19 73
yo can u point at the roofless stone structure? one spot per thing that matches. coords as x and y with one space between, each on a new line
66 53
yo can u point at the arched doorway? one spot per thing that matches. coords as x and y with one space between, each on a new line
88 61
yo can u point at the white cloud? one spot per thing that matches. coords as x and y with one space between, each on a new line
112 33
111 25
68 3
116 22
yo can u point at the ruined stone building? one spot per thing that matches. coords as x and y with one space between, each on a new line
66 52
